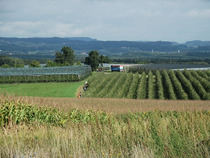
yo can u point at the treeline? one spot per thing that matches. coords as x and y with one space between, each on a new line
166 60
43 78
65 57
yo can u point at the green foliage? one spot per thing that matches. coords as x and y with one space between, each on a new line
142 88
43 78
203 81
132 94
180 93
97 84
65 57
123 87
117 89
50 63
168 88
101 60
160 93
78 63
35 63
204 75
196 85
93 60
17 112
44 74
104 59
151 86
6 61
187 86
158 85
108 86
5 66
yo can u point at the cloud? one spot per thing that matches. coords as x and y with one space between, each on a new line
205 13
107 19
38 29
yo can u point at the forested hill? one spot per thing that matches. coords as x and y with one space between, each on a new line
46 47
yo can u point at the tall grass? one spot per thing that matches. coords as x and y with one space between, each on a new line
88 133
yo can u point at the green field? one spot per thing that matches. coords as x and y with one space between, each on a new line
169 85
67 89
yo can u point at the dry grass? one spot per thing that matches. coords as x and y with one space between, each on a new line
117 105
53 142
182 134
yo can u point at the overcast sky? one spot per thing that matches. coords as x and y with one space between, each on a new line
133 20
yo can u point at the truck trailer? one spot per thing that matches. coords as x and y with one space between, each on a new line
118 68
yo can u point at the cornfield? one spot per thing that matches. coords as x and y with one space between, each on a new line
30 131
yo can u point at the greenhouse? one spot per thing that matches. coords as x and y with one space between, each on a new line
44 74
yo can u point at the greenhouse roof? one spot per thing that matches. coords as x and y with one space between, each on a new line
44 71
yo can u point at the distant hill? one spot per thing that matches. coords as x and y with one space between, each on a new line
197 43
46 47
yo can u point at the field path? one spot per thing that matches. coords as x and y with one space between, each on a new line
117 105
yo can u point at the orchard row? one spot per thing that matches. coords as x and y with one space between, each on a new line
174 85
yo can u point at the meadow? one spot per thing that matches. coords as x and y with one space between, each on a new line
53 89
29 130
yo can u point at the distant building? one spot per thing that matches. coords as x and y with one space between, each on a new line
118 68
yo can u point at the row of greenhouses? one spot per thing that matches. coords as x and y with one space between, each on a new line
44 74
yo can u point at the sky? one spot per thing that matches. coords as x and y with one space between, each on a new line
118 20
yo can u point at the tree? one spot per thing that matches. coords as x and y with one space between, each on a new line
93 60
50 63
59 58
65 57
101 60
35 63
11 62
5 66
78 63
104 59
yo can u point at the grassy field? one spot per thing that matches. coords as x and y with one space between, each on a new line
68 89
28 130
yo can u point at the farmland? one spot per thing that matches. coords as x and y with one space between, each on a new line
29 130
47 74
119 116
170 85
53 89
